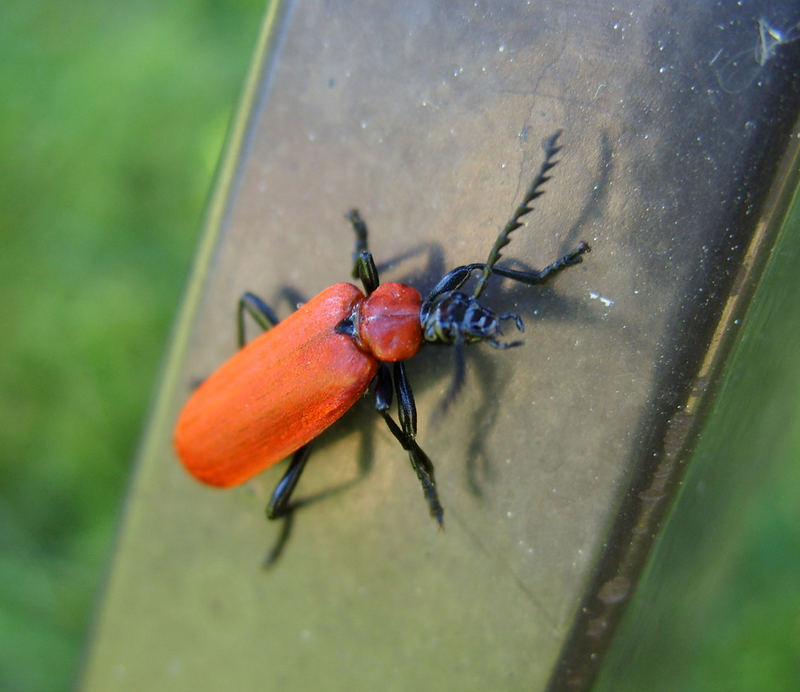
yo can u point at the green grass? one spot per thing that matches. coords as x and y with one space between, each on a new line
112 121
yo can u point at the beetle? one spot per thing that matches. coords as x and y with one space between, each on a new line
285 387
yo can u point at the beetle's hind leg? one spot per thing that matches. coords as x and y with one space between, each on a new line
262 313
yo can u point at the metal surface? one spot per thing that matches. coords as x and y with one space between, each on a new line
557 463
716 604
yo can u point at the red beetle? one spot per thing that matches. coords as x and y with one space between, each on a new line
285 387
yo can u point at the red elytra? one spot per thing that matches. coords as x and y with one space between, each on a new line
292 382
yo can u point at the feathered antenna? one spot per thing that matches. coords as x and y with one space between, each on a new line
550 150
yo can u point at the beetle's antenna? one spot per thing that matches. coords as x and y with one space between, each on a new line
550 150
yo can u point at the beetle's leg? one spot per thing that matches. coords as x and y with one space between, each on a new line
363 265
367 272
503 345
360 229
407 430
508 344
280 505
262 313
512 316
279 502
573 257
283 537
452 281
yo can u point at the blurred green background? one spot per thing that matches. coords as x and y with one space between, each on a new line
112 120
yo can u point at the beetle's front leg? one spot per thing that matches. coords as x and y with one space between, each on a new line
451 281
532 278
